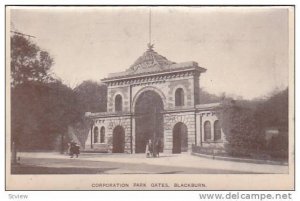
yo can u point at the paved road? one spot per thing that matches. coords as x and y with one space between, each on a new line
53 163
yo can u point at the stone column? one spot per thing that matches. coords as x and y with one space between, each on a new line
202 128
133 133
212 129
168 141
191 130
198 129
168 135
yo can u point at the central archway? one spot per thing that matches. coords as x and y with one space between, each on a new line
149 120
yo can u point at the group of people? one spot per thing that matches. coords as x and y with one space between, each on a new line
153 149
74 149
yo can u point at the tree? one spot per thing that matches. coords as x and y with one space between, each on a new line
240 128
41 107
273 113
90 97
244 123
28 61
41 112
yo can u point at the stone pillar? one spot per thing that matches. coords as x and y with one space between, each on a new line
212 129
99 134
191 130
168 141
133 134
198 129
127 128
202 129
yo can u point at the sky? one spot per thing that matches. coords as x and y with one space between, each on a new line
244 49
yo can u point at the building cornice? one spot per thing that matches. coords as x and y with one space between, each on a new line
107 114
198 108
153 77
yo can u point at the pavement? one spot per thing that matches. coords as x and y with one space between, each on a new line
98 163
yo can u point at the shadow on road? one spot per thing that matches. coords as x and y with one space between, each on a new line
26 169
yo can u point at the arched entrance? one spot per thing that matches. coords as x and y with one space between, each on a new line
118 139
180 139
148 120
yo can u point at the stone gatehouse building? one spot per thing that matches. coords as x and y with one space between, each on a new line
154 99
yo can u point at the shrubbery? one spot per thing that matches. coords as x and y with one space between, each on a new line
240 129
244 124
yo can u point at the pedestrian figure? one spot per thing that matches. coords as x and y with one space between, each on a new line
149 149
74 149
158 147
77 150
154 149
69 148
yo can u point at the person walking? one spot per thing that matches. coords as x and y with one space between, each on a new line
77 150
69 149
72 148
158 147
149 149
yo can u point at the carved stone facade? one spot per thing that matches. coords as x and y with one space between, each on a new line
183 119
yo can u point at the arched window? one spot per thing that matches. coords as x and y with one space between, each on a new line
102 135
217 130
96 134
118 103
207 131
179 97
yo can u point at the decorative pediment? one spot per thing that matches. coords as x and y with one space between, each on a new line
149 61
151 64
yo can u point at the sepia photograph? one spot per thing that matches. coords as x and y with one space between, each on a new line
150 98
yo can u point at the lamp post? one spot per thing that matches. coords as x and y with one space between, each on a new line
92 125
62 143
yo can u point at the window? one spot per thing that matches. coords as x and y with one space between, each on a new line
179 97
207 131
96 134
118 103
102 135
217 130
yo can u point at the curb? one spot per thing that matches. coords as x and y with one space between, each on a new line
245 160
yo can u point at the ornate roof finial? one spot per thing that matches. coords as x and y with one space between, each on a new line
150 46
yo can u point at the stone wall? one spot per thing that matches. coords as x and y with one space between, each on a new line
112 92
165 88
170 120
212 117
187 84
109 123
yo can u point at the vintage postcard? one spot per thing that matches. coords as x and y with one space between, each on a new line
150 98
